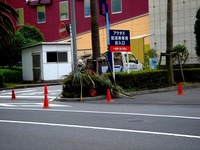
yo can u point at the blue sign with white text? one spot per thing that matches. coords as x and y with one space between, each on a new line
119 41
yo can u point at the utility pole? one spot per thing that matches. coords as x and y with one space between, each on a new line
73 42
169 40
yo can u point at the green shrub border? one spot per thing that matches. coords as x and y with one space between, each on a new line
1 81
153 79
11 76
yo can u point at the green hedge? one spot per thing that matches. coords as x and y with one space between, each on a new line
11 76
153 79
1 81
190 75
139 80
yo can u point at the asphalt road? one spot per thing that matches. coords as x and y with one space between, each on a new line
149 122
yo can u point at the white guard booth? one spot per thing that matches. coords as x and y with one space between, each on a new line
46 61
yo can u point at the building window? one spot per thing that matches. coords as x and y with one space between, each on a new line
116 6
64 12
41 14
87 8
57 57
38 2
20 19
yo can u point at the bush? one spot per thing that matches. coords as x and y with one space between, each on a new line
11 76
1 81
184 54
142 79
190 74
136 80
154 79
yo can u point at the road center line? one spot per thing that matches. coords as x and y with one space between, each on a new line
112 113
101 128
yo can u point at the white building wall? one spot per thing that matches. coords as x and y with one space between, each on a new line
184 12
54 70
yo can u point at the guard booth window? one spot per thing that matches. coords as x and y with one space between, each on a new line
57 57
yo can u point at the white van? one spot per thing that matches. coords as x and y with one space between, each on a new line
121 65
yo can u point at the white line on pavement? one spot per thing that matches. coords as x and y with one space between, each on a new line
101 128
112 113
30 105
28 97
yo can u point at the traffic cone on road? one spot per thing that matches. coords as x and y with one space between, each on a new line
46 101
45 89
180 90
13 95
108 96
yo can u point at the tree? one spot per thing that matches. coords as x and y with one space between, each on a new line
24 36
11 53
182 51
6 25
31 33
94 31
169 40
197 32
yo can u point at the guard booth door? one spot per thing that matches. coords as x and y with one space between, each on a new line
36 67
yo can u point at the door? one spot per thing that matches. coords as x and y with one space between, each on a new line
36 67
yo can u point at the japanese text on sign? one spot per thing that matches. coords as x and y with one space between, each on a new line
119 40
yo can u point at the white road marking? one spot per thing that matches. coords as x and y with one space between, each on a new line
101 128
28 97
17 92
30 105
112 113
33 93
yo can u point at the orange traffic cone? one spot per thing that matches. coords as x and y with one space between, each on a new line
108 97
180 91
45 89
13 95
46 102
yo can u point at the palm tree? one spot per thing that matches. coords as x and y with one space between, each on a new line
169 40
94 32
6 25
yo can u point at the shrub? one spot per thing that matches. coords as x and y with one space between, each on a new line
190 75
184 54
11 76
1 81
142 80
154 79
197 32
136 80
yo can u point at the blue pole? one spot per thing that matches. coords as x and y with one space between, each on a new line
106 15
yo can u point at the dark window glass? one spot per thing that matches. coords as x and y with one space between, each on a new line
62 57
51 56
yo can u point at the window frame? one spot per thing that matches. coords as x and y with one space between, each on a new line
39 22
17 21
58 59
67 10
85 7
116 12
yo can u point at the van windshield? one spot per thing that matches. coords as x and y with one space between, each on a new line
131 58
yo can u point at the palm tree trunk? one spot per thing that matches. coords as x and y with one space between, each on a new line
169 41
94 29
